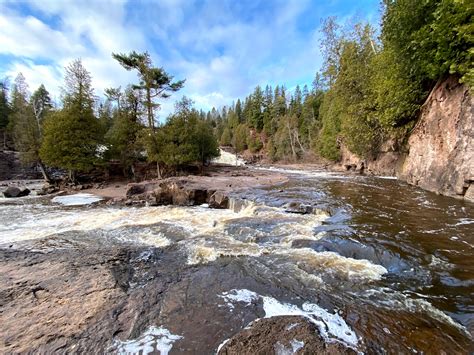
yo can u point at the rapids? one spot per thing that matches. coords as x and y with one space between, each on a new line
378 265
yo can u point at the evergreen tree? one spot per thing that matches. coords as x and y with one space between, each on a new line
4 111
268 124
238 111
226 138
255 115
239 139
123 136
154 81
72 135
184 139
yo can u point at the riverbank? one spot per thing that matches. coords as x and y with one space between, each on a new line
188 190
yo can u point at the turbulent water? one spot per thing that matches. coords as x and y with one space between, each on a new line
378 265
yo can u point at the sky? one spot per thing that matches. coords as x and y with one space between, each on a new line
223 48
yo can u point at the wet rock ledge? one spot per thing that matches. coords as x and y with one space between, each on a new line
213 189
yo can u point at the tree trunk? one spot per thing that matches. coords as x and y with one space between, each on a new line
291 141
298 140
132 168
72 178
158 170
150 110
44 172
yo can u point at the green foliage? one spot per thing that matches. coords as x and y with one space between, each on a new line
431 38
239 140
226 138
155 82
71 136
4 105
254 113
26 129
397 97
184 139
122 137
254 143
423 41
331 109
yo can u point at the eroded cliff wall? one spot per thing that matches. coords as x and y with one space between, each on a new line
439 156
441 146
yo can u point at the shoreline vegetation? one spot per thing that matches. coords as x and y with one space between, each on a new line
368 94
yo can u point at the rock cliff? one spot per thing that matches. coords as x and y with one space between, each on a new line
439 156
441 146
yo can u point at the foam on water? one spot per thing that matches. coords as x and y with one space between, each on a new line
386 297
228 159
332 327
464 221
202 254
243 296
327 261
77 199
152 340
309 173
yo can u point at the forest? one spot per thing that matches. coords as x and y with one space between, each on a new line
370 88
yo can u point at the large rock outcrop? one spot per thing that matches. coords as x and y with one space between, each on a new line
439 156
441 146
388 160
12 168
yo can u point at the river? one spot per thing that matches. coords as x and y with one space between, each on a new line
379 266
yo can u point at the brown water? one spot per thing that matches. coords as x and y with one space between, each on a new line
385 266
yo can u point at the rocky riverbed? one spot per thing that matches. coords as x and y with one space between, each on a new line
312 262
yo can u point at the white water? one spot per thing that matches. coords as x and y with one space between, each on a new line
396 300
332 327
152 340
227 158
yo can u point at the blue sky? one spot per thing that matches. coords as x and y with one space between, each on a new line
223 48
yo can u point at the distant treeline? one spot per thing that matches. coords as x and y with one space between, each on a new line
370 88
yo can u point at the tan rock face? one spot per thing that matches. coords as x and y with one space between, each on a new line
441 156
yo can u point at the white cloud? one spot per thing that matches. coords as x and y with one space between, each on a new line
223 48
29 37
35 75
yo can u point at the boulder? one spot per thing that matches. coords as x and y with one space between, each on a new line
180 193
219 200
14 191
469 195
135 189
48 189
299 208
281 335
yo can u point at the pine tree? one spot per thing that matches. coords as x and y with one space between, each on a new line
255 114
123 135
154 81
238 111
184 139
72 135
268 124
4 112
226 138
